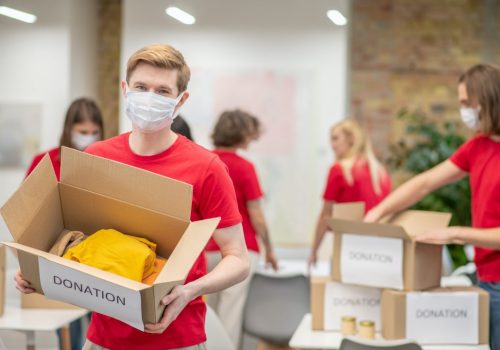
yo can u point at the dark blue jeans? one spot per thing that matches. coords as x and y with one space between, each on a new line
493 288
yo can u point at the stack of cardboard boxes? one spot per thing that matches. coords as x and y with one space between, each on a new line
380 273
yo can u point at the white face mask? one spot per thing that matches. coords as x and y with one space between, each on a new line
81 141
150 112
470 116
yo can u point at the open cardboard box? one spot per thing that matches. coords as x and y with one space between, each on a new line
96 193
453 315
385 254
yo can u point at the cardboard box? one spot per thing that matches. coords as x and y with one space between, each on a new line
38 301
454 315
96 193
330 301
385 255
2 278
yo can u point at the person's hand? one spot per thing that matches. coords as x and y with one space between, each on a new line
21 284
176 301
446 235
311 262
271 260
372 215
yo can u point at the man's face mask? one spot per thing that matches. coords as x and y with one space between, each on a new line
470 117
150 112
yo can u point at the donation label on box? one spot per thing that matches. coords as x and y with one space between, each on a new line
372 261
443 318
347 300
63 283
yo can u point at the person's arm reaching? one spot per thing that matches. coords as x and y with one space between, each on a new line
233 268
321 228
258 222
415 189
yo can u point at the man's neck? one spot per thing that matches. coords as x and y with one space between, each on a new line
149 144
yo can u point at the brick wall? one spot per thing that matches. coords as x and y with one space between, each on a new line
409 54
110 26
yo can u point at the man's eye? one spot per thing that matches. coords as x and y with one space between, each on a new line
140 88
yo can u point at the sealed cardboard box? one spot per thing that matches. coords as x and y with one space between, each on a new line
385 254
454 315
96 193
330 301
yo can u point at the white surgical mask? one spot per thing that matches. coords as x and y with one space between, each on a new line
150 112
82 141
470 116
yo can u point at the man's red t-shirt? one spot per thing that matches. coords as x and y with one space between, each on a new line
480 157
247 187
55 157
361 190
213 196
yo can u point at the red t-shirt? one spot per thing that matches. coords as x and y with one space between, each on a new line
247 187
55 157
340 191
213 196
480 157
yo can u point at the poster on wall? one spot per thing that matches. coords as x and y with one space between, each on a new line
20 125
282 101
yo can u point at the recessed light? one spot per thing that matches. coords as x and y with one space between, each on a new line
337 17
16 14
180 15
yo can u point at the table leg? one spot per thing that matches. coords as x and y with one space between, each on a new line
30 340
65 338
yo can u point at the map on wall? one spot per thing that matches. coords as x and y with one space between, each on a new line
20 125
282 102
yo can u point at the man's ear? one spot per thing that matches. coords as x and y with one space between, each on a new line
183 99
124 87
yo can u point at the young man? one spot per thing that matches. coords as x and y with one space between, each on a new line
154 90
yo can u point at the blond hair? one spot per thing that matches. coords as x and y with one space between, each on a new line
161 56
482 82
360 148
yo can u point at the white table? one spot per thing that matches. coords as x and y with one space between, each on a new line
29 321
305 338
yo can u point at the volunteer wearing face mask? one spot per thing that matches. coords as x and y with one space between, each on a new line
83 126
155 89
479 97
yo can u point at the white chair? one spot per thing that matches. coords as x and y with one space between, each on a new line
351 344
217 337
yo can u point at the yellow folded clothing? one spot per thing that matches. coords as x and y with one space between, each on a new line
159 264
113 251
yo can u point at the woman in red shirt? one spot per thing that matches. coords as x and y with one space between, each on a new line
356 176
235 130
479 97
83 126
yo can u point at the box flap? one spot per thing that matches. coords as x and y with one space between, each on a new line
349 211
35 207
417 222
189 248
340 226
126 183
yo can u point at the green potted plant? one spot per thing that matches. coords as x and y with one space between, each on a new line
425 144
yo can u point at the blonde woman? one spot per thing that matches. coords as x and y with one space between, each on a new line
356 176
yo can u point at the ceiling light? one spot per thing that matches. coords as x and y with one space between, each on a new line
336 17
16 14
180 15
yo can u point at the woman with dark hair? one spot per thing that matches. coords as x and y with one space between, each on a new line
83 126
235 130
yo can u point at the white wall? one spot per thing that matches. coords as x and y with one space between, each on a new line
48 63
287 37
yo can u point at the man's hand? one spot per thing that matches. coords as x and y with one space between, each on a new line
176 301
446 235
271 260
